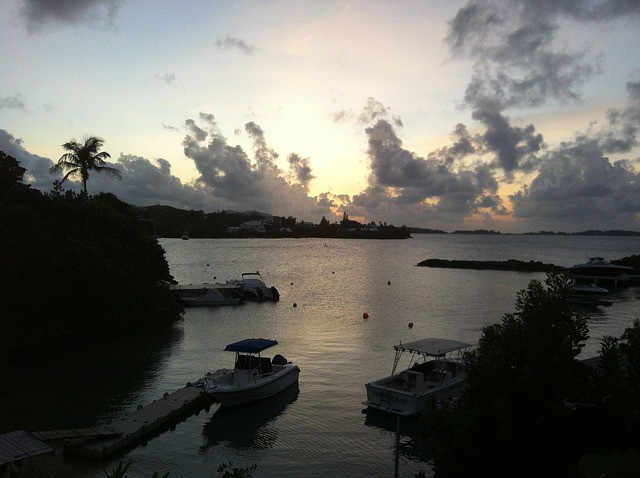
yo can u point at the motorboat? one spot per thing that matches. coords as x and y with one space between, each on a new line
438 370
252 287
207 297
599 267
589 294
198 295
253 377
589 290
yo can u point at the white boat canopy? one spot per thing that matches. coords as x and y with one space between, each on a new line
432 346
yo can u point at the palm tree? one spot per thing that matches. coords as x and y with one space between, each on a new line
83 157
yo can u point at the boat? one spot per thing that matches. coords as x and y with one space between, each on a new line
599 267
589 294
253 377
207 297
252 287
438 370
195 295
185 236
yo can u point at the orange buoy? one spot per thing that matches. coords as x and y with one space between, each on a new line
365 316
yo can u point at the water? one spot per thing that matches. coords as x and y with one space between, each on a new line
318 429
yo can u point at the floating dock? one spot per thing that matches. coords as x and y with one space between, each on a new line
131 428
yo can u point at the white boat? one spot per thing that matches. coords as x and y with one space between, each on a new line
194 295
599 267
252 287
589 294
589 290
253 377
438 370
207 297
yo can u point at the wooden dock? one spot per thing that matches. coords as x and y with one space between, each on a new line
131 428
21 445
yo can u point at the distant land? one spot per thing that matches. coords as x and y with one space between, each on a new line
167 221
591 232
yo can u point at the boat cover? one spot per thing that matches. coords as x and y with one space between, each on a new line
432 346
251 346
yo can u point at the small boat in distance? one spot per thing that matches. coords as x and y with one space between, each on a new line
253 377
185 236
252 287
438 370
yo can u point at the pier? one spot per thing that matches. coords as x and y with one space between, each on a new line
127 431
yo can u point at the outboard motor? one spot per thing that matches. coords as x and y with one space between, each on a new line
275 294
278 360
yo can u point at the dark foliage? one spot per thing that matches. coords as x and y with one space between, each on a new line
529 406
74 267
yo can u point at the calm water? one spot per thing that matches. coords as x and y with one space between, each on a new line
319 429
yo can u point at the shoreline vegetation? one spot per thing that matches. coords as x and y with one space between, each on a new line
171 222
515 265
76 269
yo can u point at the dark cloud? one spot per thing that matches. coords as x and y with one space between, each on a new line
578 185
39 12
229 43
515 147
300 168
407 186
15 102
37 167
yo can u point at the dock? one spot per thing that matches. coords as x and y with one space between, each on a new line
128 430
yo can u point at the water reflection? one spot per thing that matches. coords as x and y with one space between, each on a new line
248 426
90 385
416 443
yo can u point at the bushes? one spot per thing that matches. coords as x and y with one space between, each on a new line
74 267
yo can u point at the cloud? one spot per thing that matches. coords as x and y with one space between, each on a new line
577 185
15 102
37 167
515 147
235 181
404 186
40 12
167 78
300 168
229 43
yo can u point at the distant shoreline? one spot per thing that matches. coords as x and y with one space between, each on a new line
509 265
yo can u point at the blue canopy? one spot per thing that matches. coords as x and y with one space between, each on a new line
251 346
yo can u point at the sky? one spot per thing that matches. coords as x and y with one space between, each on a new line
511 115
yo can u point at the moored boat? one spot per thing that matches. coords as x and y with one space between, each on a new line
599 267
438 370
253 377
194 295
252 287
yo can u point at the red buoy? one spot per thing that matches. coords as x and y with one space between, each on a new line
365 316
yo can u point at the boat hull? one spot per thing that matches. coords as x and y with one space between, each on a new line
402 402
251 390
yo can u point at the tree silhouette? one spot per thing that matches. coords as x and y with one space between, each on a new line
83 157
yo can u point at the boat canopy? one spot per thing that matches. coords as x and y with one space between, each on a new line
251 346
431 346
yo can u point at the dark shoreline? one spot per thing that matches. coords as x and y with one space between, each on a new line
509 265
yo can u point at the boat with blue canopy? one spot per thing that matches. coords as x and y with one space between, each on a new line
253 376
